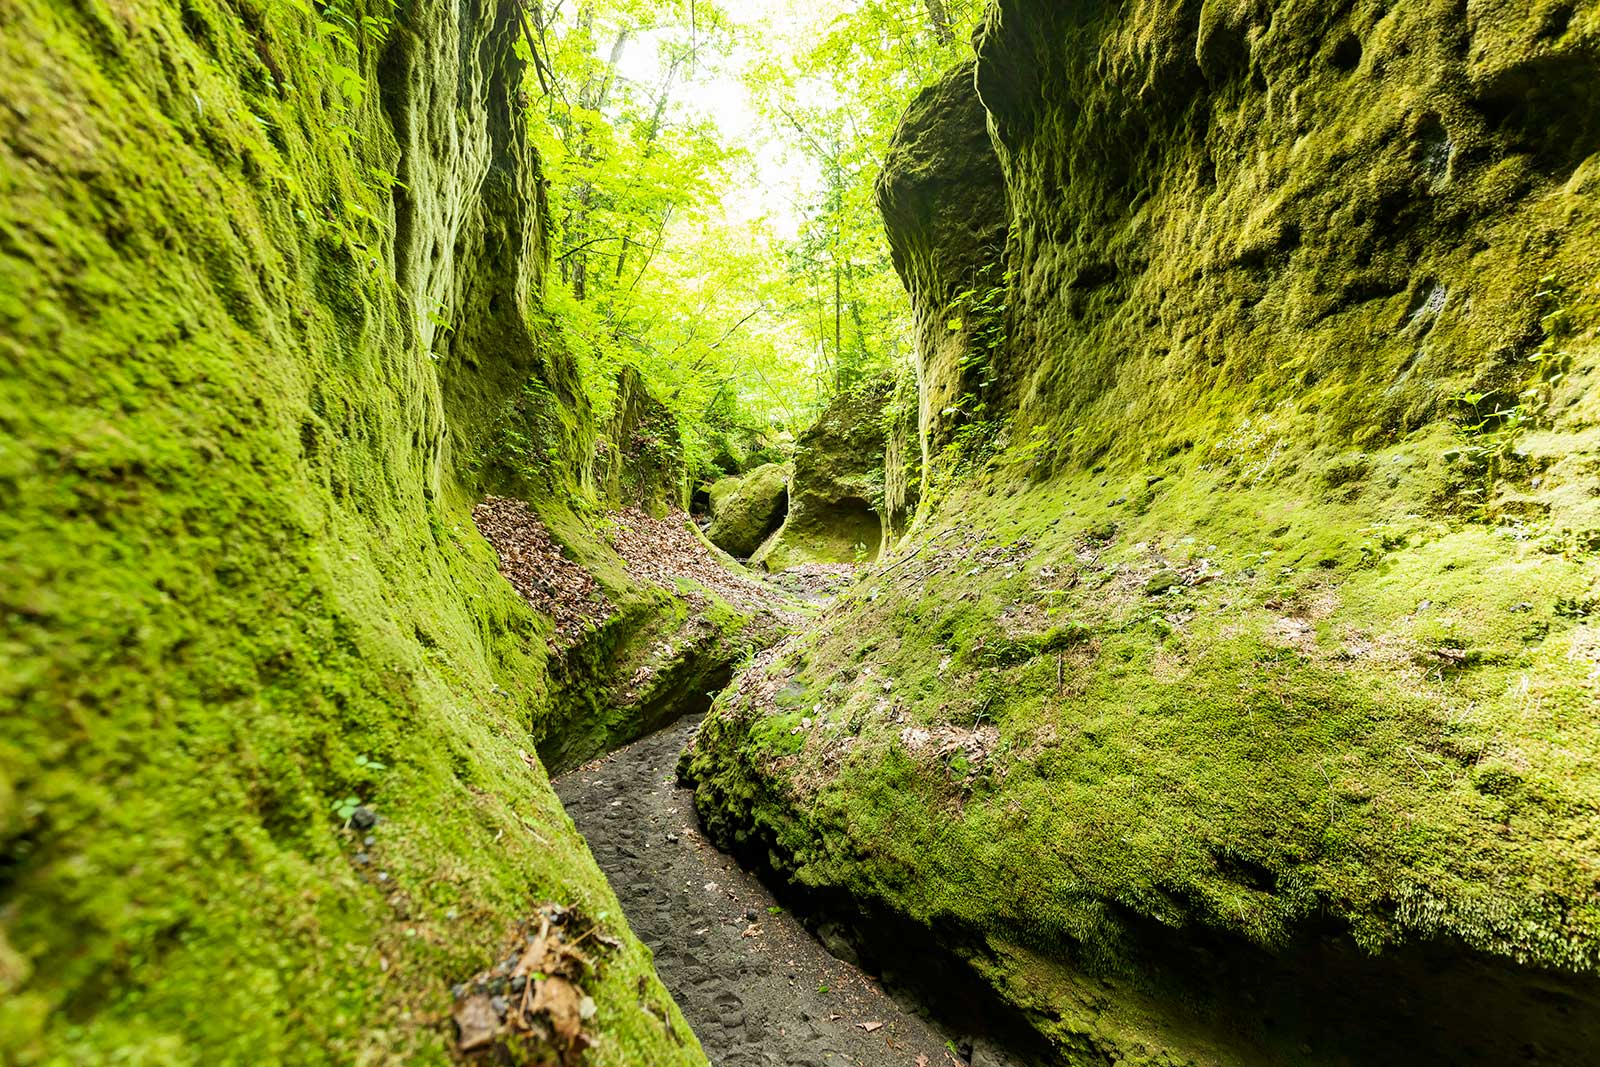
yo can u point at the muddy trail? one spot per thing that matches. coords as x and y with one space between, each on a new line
758 988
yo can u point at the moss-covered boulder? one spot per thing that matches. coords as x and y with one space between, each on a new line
746 511
1233 701
268 316
837 488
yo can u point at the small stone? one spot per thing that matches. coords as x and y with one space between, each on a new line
1524 606
369 840
1161 582
519 983
500 1005
1424 606
361 859
383 876
458 991
363 818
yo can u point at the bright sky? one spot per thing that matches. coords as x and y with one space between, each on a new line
777 181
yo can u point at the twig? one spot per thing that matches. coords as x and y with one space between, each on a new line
901 562
598 240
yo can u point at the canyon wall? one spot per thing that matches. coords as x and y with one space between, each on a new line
1232 701
270 324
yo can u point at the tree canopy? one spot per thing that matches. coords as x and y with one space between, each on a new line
712 194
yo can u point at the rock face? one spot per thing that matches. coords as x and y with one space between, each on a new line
1232 702
638 459
746 511
266 323
943 198
903 456
836 491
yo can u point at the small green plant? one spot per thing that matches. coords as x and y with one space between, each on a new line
386 179
981 311
346 808
1490 424
440 318
338 38
367 763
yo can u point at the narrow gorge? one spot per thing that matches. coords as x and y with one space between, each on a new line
1100 568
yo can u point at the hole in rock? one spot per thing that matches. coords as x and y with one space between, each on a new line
1346 55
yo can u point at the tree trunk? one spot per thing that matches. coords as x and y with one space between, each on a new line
939 21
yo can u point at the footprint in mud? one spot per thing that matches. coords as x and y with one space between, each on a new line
730 1010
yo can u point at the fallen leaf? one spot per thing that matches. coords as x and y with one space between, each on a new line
476 1023
922 1059
561 1002
869 1027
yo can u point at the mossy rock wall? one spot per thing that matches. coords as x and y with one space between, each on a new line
836 491
639 458
1339 215
943 199
1232 701
903 454
745 511
265 308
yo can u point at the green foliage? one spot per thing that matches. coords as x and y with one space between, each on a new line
834 89
654 271
732 322
980 311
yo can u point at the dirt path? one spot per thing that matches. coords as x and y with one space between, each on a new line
756 987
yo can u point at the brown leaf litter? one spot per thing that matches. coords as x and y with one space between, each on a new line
536 567
530 1008
662 552
665 551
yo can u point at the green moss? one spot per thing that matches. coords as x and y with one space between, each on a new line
746 510
237 567
836 488
1263 707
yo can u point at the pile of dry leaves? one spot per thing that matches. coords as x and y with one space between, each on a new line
530 1008
817 580
660 551
535 566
